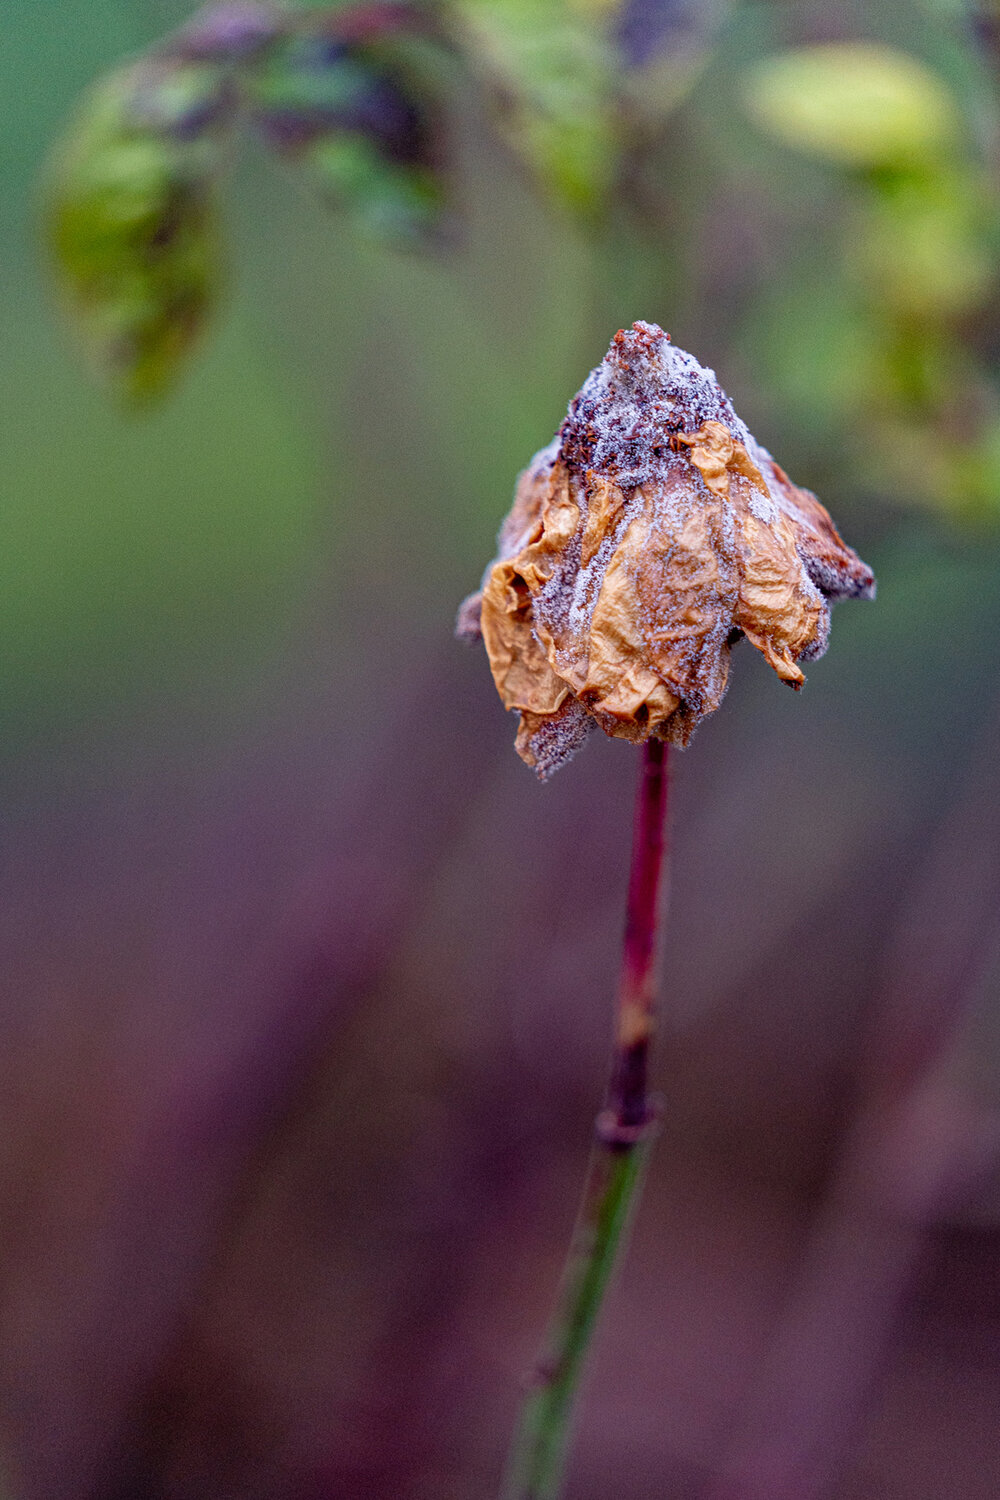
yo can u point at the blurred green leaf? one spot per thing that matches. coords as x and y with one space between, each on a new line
923 246
550 68
857 103
132 218
362 120
977 473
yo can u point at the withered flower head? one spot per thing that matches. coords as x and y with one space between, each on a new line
650 535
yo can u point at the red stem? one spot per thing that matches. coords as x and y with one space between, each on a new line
627 1111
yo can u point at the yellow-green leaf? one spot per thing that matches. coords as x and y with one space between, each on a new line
858 103
922 244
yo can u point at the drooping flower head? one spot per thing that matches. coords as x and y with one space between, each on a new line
644 541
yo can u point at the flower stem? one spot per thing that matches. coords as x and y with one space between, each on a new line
614 1175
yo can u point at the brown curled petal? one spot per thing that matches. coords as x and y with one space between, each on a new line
521 523
566 592
605 500
742 463
711 449
716 454
834 567
523 677
620 682
684 570
779 607
558 521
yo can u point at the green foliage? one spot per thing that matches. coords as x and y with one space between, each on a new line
551 70
924 244
856 103
351 96
864 328
133 219
918 233
361 121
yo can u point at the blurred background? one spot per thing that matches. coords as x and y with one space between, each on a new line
307 983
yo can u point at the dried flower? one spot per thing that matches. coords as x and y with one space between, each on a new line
650 535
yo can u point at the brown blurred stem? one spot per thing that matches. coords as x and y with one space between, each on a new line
614 1175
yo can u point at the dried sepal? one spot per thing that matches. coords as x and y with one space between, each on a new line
643 542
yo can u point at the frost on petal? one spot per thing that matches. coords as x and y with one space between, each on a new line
648 538
833 567
547 741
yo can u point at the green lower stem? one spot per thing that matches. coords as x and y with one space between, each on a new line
538 1452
